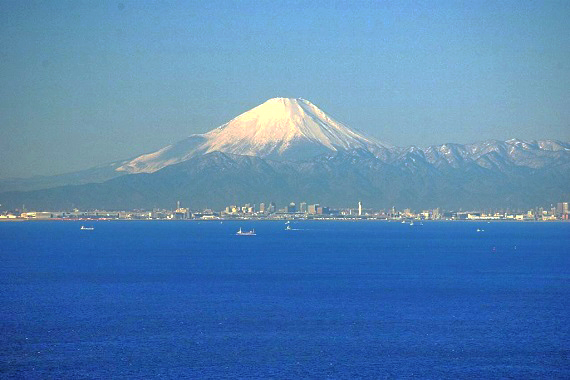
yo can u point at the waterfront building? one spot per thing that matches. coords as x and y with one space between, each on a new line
313 208
181 213
562 209
435 213
292 207
36 215
272 207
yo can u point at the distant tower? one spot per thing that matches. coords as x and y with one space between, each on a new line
359 208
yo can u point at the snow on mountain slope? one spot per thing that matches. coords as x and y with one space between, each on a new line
494 153
284 129
279 129
169 155
278 123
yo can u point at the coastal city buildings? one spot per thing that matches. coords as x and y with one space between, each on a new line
305 211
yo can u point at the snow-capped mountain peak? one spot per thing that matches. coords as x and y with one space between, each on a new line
288 129
275 125
280 129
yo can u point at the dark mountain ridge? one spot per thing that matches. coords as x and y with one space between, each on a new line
218 179
289 150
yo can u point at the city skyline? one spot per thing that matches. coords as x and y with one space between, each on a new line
305 211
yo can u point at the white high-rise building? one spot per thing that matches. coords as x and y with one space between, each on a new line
359 208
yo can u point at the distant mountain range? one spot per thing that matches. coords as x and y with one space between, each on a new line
289 150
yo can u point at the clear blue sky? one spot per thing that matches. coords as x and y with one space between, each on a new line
88 82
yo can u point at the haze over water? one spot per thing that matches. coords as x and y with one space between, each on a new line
337 300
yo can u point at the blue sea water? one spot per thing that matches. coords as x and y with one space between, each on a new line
326 300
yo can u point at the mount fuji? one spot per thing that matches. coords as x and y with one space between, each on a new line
280 129
289 150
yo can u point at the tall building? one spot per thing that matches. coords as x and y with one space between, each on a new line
562 208
313 208
435 213
272 207
181 212
248 208
262 208
303 207
292 207
359 208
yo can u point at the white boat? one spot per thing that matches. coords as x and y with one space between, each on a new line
87 228
288 228
245 233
